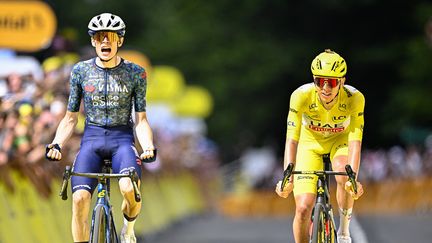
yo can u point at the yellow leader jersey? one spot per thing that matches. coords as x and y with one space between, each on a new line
308 120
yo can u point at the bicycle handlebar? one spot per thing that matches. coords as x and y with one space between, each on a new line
348 172
132 174
56 146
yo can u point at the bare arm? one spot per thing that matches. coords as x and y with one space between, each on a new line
66 128
144 135
289 157
290 152
63 133
354 152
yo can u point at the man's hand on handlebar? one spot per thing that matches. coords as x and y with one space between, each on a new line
53 152
286 190
350 190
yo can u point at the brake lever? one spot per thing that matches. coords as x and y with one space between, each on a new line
287 174
351 177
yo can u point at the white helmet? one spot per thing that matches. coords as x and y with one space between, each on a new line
106 22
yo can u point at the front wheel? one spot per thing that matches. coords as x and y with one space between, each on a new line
319 225
99 224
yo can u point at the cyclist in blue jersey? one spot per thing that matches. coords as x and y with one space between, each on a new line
110 88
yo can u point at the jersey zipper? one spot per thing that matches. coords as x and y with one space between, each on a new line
106 97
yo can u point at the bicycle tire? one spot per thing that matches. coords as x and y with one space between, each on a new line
318 227
113 233
98 231
332 232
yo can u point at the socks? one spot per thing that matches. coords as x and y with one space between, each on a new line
128 226
345 218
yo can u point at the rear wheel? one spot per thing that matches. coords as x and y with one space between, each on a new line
98 226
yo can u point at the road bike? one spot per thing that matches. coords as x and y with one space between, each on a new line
322 221
102 225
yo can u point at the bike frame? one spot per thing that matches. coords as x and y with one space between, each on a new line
322 201
103 200
103 196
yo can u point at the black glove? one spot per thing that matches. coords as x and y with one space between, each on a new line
151 159
47 149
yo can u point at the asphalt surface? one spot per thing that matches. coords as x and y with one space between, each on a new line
217 229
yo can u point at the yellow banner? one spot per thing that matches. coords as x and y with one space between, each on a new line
26 25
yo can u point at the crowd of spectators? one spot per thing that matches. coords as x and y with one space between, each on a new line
398 162
261 168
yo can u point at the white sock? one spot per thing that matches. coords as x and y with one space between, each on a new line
345 218
128 227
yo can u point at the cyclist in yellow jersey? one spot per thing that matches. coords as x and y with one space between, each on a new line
325 117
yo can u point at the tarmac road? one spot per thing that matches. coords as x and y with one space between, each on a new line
217 229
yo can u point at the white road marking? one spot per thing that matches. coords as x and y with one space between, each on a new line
358 235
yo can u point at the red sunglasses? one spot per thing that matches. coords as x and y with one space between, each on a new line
332 82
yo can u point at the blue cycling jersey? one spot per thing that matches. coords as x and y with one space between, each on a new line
109 94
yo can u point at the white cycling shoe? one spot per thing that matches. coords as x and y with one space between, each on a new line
343 239
124 238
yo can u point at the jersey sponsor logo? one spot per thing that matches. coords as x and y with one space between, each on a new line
344 145
313 106
342 107
113 87
291 124
338 118
318 127
89 88
305 177
326 129
99 101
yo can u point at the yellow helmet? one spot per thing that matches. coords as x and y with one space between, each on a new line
329 64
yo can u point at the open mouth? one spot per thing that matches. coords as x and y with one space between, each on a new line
106 50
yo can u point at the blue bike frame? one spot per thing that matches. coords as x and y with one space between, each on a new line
103 197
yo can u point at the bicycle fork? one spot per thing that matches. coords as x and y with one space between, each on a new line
103 207
323 197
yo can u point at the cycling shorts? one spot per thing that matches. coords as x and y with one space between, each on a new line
310 157
99 143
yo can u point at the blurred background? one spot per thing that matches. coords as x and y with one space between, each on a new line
220 74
